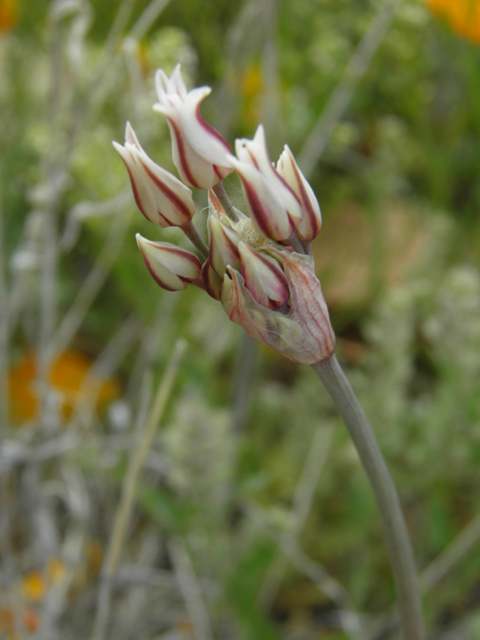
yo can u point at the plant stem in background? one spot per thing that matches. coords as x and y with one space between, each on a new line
398 541
129 488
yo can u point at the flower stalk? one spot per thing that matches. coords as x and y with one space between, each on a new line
396 534
260 270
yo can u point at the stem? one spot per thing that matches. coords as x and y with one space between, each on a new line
222 195
396 533
195 238
295 243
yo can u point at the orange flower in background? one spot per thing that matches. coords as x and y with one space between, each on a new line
8 14
68 376
463 16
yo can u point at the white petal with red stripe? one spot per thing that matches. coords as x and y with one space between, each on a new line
172 267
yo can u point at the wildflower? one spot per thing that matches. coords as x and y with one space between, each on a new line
309 226
199 152
273 206
270 289
171 267
159 195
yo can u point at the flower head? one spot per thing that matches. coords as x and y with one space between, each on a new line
159 195
256 267
199 151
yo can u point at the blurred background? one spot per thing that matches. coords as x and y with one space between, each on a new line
250 517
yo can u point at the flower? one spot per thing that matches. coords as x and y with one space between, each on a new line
159 195
269 289
463 16
171 267
199 151
275 209
309 226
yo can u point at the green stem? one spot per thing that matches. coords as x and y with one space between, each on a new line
222 195
195 238
398 541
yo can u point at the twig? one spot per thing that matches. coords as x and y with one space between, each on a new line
302 501
147 18
3 331
130 483
396 533
319 136
451 556
190 588
91 286
315 571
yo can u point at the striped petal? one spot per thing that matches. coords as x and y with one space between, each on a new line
172 267
159 195
311 222
212 282
199 151
263 277
264 203
224 243
255 152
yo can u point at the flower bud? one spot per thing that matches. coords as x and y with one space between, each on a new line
303 334
273 206
263 277
199 151
212 282
223 245
171 267
159 195
311 222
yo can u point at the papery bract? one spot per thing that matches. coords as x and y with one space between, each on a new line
199 151
309 226
172 267
304 334
159 195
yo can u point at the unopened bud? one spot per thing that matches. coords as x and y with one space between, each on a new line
159 195
172 267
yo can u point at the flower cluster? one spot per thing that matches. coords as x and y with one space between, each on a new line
258 267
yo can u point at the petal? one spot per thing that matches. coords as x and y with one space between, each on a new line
140 187
263 277
255 152
212 282
204 139
224 243
264 204
172 268
310 225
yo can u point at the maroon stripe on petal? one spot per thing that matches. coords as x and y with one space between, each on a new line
306 201
154 275
182 154
171 195
210 130
135 191
252 197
